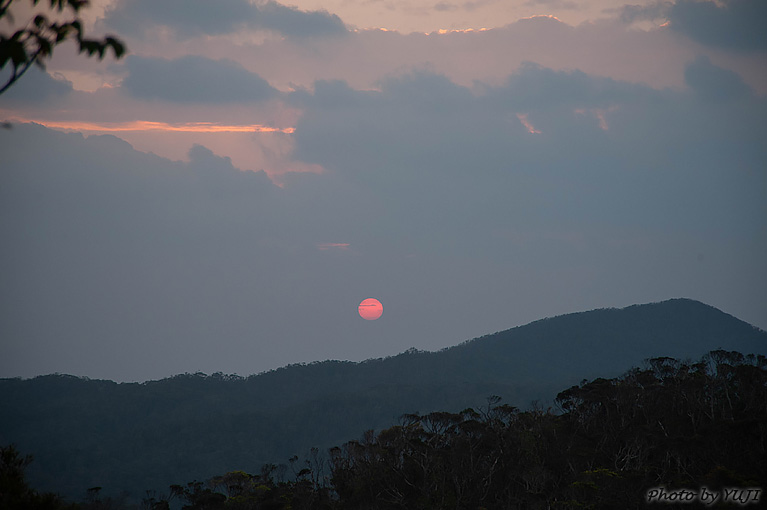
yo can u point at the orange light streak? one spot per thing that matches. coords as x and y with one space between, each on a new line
144 125
530 128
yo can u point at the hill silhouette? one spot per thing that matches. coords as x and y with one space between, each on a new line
130 436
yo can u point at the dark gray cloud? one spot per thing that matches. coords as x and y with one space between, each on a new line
296 23
111 249
539 88
421 124
193 79
739 25
402 133
714 83
190 18
445 7
36 87
652 11
553 4
603 149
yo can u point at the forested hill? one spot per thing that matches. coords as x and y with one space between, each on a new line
85 433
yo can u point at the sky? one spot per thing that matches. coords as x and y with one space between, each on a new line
224 197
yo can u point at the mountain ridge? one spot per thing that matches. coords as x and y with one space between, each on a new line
90 432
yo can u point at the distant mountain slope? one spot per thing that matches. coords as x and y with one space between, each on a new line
86 433
606 342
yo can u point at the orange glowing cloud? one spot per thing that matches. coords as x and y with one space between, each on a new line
530 128
144 125
443 31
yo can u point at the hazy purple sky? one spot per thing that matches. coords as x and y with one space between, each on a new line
224 197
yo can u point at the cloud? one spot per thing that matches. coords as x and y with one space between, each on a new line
397 132
600 148
553 4
713 83
148 126
535 87
739 25
421 125
191 79
445 7
35 87
652 11
219 174
455 215
296 23
113 248
473 5
192 18
477 5
655 57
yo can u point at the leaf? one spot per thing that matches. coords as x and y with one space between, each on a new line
118 48
17 53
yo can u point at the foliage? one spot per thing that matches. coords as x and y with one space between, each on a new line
238 490
675 423
35 42
15 493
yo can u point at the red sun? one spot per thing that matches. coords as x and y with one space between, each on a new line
370 309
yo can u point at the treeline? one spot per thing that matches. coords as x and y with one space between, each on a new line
670 424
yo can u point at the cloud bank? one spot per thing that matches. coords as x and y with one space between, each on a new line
192 18
734 24
193 79
435 198
256 184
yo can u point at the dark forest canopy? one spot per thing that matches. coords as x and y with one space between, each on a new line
672 424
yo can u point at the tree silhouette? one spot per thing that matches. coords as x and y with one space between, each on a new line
15 493
35 41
